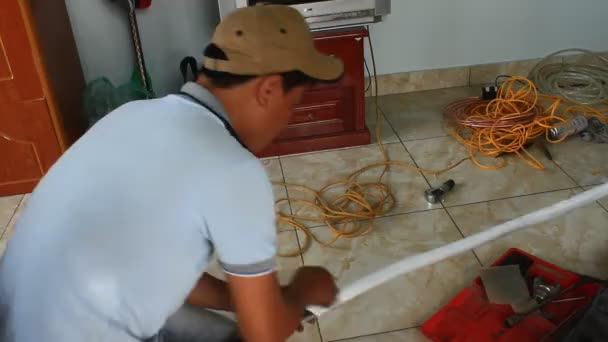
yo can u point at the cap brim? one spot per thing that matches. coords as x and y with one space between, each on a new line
323 67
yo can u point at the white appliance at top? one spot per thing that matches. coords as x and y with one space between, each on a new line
324 14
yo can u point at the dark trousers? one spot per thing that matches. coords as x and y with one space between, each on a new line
191 324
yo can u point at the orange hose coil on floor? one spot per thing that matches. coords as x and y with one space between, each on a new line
503 125
512 120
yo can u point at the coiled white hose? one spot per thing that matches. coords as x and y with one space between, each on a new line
583 82
421 260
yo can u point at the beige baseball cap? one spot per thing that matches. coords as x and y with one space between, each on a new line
268 39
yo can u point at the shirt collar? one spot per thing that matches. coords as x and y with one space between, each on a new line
203 95
197 93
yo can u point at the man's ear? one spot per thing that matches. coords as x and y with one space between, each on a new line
269 87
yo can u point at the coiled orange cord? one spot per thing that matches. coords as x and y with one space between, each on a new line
508 123
503 125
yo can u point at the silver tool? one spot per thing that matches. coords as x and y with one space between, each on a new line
543 290
435 195
578 124
568 300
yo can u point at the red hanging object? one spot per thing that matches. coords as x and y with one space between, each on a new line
141 4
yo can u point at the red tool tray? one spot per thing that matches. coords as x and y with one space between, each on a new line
470 317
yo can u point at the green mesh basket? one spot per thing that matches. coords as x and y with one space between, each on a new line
101 96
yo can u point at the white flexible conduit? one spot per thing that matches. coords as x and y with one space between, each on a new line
418 261
583 82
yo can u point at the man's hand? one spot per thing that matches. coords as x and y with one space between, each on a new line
312 286
268 313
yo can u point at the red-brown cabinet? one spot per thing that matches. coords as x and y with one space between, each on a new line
330 115
40 89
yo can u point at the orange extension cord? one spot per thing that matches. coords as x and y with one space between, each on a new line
508 123
504 125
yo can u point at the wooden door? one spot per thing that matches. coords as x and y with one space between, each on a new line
28 145
19 79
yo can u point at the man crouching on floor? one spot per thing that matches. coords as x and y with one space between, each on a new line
115 240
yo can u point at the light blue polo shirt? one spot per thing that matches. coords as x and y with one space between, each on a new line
121 228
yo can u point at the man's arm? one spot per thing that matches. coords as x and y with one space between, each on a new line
245 243
211 293
268 313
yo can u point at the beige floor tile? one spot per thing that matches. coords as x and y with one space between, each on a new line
409 335
3 242
576 241
420 115
275 174
586 162
273 170
386 131
603 201
8 205
11 225
2 247
406 301
474 184
310 334
320 169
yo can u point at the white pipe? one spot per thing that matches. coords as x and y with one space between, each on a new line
418 261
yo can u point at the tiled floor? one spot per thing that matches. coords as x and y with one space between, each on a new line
9 211
413 129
